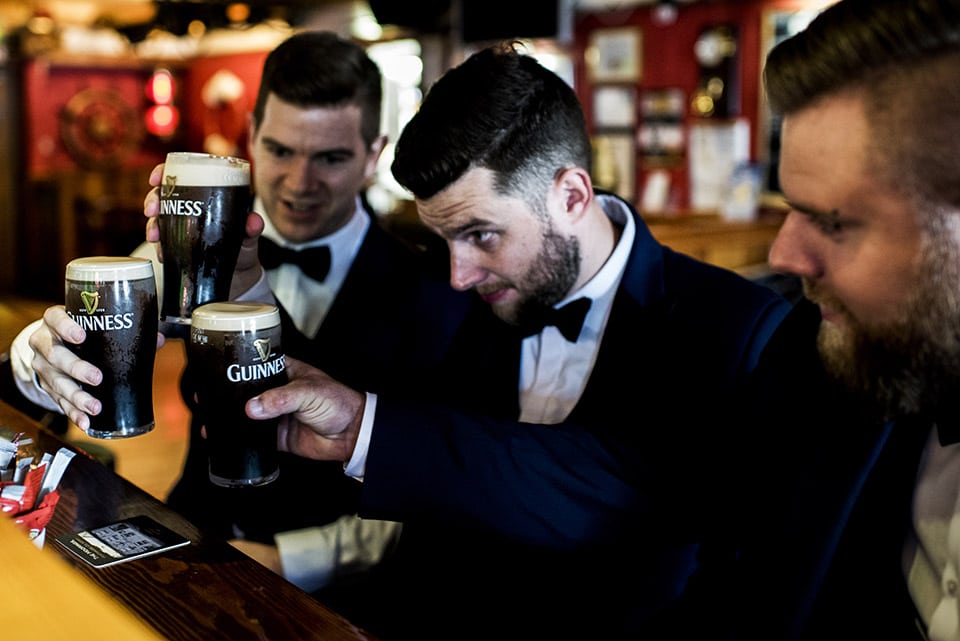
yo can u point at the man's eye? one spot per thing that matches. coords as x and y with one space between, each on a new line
329 160
829 226
483 237
828 223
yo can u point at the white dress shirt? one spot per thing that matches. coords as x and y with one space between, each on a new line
933 543
553 371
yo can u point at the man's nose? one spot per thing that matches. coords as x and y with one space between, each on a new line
794 249
299 174
463 273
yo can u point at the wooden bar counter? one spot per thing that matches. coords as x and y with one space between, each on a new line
204 591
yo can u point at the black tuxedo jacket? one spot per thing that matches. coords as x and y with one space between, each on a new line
388 327
590 527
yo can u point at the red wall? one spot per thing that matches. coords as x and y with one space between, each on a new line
668 59
48 88
200 120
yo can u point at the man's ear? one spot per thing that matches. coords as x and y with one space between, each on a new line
576 191
251 130
376 149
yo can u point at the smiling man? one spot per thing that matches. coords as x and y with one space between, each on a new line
354 300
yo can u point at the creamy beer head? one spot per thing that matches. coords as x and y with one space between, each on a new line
195 169
236 316
204 203
114 300
99 269
234 354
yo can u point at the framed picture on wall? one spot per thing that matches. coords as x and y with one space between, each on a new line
614 107
615 164
614 55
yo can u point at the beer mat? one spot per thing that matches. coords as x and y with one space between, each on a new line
125 540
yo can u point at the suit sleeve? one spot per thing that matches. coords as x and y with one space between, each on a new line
555 486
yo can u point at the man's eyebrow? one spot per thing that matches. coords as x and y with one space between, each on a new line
274 142
466 227
338 151
813 212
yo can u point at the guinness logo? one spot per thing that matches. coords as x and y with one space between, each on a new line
91 300
169 184
263 348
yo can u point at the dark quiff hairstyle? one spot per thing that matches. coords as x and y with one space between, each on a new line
321 69
903 58
501 110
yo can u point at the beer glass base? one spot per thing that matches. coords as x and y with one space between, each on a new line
121 433
254 482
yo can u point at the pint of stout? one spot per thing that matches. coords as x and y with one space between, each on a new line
204 202
114 299
234 354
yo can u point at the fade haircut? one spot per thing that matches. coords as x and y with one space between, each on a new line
500 110
321 69
903 58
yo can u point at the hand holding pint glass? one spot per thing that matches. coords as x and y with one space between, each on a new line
204 202
114 300
235 354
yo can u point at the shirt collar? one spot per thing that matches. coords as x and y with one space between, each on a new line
605 281
343 243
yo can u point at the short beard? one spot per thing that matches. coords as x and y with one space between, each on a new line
910 366
552 275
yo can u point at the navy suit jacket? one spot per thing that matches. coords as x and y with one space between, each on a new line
591 526
825 517
391 323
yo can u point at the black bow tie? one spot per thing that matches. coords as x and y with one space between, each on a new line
313 261
568 319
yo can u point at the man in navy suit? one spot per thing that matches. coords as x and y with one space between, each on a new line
564 480
865 546
376 318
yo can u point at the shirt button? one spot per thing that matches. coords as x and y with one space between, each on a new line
952 587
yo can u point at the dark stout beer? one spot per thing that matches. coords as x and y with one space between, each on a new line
114 299
235 354
204 202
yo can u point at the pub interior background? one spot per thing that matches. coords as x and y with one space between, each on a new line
94 93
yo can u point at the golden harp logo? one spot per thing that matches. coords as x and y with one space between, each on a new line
169 184
91 300
263 348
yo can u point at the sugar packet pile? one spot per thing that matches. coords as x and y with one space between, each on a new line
28 484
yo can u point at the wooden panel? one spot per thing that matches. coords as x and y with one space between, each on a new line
739 246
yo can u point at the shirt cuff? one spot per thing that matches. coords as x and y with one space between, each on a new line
307 556
315 557
356 467
21 359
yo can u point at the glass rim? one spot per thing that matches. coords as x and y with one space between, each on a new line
198 169
235 316
107 268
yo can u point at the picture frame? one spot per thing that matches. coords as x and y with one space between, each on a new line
614 107
615 163
614 55
661 136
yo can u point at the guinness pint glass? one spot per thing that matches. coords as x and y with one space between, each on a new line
204 202
114 299
234 354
